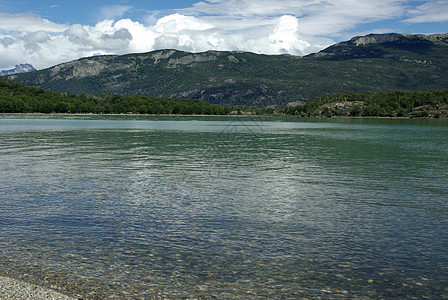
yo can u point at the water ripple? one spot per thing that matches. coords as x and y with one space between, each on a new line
226 208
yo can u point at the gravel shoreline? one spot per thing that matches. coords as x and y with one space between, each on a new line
13 289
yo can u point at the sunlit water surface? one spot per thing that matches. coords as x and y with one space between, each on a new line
225 207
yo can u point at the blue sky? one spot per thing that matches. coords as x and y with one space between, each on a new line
48 32
90 12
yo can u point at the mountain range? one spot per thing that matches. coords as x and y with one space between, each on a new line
372 63
22 68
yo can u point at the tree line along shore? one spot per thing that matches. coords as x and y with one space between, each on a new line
19 98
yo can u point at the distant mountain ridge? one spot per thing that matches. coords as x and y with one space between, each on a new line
441 39
372 45
22 68
371 63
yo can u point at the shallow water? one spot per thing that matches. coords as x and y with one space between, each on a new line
225 207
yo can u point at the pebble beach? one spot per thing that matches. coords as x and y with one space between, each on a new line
13 289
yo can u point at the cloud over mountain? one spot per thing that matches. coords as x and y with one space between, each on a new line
261 26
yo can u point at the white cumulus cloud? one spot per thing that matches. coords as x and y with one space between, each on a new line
285 38
44 48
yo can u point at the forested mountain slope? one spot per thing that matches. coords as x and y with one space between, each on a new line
371 63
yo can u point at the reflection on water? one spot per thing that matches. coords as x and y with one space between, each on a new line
226 207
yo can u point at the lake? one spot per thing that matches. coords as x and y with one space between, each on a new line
225 207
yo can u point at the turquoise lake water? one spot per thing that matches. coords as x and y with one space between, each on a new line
225 207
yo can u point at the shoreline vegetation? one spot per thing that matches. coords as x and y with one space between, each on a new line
19 98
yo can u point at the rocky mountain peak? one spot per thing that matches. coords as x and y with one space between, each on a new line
398 38
377 39
21 68
382 45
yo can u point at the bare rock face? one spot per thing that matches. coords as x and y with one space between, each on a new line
78 69
157 56
81 68
90 67
191 58
398 38
377 39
